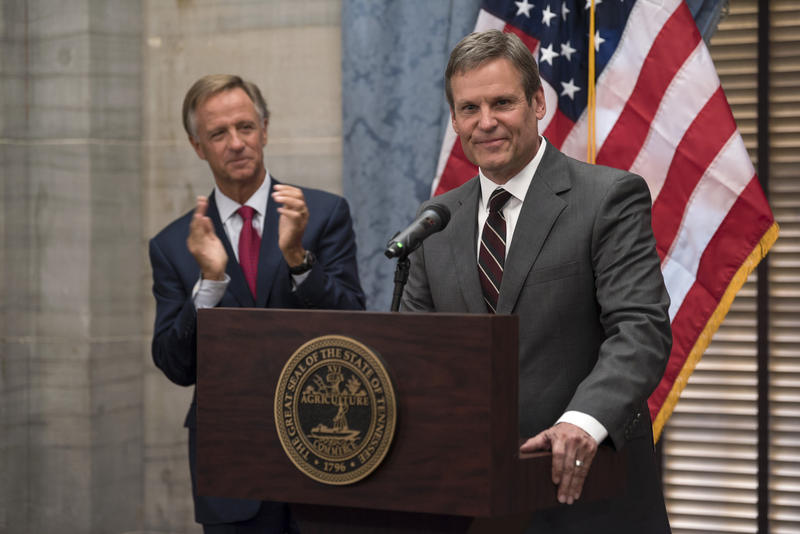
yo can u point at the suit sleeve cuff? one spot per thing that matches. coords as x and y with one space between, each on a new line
586 422
208 293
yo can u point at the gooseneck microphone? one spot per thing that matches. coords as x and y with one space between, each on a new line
432 219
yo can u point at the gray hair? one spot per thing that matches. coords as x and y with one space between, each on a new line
212 84
480 47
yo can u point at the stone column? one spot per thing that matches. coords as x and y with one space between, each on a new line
71 267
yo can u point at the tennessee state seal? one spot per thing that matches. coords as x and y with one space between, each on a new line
335 410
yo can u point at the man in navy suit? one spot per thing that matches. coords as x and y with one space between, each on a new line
253 242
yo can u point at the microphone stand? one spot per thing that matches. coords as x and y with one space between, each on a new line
400 279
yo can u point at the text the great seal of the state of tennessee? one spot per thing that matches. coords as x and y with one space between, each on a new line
335 410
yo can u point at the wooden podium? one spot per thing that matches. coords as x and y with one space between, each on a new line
454 464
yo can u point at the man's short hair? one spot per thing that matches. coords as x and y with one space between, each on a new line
212 84
480 47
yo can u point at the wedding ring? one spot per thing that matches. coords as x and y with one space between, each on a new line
578 463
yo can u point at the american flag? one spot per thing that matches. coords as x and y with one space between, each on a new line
661 113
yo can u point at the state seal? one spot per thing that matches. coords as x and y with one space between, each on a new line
335 410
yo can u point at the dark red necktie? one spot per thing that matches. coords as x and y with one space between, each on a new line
249 245
492 255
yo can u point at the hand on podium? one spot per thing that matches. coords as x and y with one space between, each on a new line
573 451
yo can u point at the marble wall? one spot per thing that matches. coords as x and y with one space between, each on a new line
72 318
93 162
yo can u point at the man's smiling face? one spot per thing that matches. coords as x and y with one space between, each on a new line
497 126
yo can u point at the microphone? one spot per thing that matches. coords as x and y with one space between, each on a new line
433 219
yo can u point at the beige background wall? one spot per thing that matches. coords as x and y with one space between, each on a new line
94 161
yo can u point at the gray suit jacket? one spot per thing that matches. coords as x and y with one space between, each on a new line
583 275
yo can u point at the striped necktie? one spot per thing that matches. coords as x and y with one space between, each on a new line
492 255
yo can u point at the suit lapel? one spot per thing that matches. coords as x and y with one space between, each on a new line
463 229
540 210
270 255
238 285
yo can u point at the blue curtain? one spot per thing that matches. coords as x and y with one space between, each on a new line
707 14
394 113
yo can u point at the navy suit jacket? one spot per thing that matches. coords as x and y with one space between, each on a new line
331 284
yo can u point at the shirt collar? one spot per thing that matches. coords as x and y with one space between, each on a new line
227 207
518 185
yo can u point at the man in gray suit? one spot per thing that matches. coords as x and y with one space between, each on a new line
568 247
